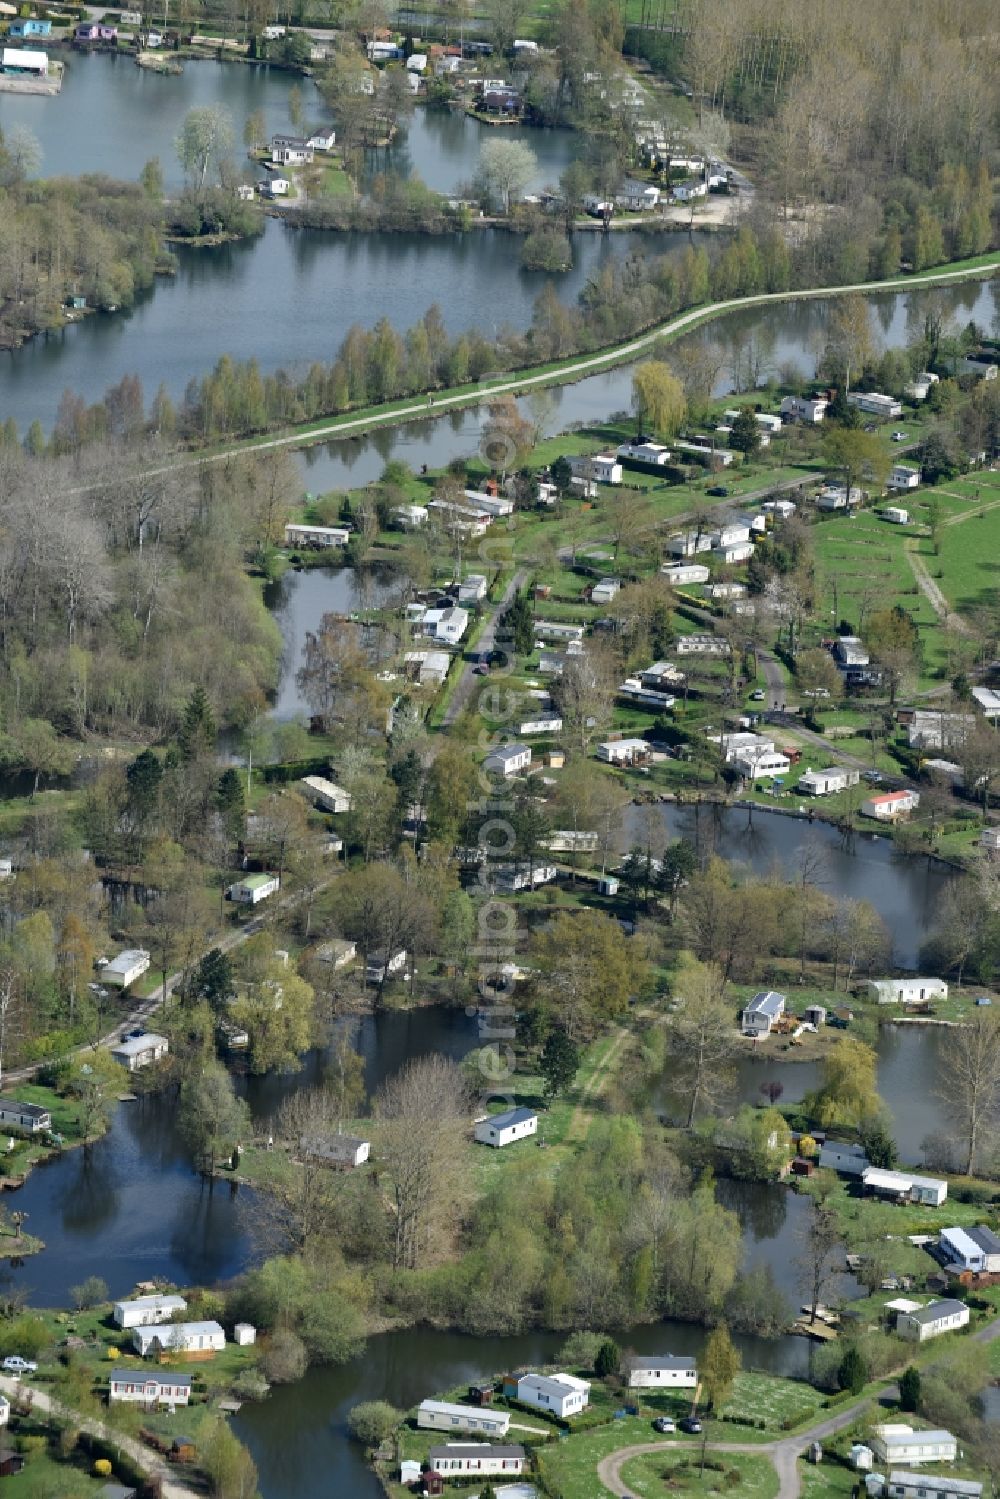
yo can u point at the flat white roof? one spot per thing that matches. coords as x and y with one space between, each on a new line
127 959
134 1047
176 1303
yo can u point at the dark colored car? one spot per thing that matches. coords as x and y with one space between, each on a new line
690 1424
720 490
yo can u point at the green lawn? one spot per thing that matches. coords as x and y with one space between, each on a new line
780 1403
969 561
826 1480
46 1478
862 567
658 1474
569 1467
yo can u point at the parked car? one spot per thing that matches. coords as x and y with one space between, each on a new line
664 1423
758 695
15 1364
720 490
690 1424
899 436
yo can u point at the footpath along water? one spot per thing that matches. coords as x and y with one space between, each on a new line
781 338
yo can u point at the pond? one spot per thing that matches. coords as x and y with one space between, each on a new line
905 891
286 298
300 1431
132 1209
112 117
909 1059
442 146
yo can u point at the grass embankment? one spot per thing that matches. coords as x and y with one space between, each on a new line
575 367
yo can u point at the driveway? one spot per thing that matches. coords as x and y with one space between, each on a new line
487 641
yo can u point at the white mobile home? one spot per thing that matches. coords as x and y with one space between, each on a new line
754 763
316 536
476 1460
906 1485
890 804
603 468
827 782
932 1320
976 1249
850 650
623 752
875 404
838 1155
908 991
550 724
804 408
730 535
380 966
503 1129
689 543
126 968
140 1051
555 629
137 1387
197 1338
904 1186
896 516
761 1013
511 878
441 1415
328 796
605 591
253 889
653 453
895 1442
147 1311
29 1117
472 589
561 1395
680 573
903 476
669 1371
508 760
338 951
447 625
337 1150
739 551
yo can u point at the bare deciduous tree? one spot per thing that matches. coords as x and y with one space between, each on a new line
970 1079
422 1116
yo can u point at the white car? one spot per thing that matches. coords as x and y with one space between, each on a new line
15 1364
899 436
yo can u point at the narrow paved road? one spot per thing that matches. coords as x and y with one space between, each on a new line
774 676
487 642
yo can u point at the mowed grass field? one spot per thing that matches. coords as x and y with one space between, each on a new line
969 560
658 1474
863 567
